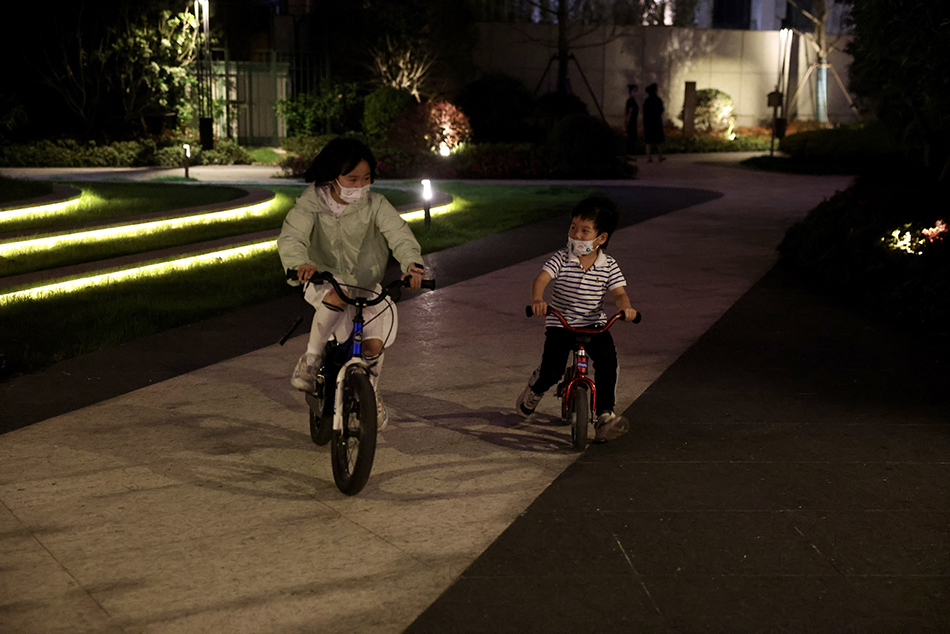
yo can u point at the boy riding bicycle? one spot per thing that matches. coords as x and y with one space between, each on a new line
583 274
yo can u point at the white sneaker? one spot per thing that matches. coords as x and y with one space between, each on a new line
528 401
305 374
610 426
382 414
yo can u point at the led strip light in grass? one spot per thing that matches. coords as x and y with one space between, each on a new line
26 212
156 269
129 231
161 268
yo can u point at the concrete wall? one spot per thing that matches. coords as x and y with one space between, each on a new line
743 64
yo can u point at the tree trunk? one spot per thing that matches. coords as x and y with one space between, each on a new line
563 49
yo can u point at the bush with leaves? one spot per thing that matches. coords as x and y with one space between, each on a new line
586 147
846 245
71 153
225 152
498 107
505 160
715 112
337 107
382 107
427 126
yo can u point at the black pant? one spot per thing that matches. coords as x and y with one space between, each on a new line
558 343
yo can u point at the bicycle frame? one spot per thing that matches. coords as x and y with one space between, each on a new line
578 373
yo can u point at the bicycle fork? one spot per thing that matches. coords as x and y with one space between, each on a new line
355 360
579 375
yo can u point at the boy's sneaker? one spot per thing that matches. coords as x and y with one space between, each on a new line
305 374
610 426
382 414
528 401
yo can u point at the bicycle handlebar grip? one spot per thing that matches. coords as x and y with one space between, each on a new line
636 320
429 284
528 311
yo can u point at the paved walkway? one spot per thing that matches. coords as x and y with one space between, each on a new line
786 471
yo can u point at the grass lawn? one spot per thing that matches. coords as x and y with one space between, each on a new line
33 335
15 190
116 201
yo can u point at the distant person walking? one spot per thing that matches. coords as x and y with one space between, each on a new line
653 124
632 113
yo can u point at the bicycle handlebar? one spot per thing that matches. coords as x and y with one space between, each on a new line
388 291
529 311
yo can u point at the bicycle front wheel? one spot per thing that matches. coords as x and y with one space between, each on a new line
354 447
580 417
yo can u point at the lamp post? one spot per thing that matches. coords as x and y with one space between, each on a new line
427 200
205 122
187 157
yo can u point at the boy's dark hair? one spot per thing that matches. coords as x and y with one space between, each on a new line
339 156
602 211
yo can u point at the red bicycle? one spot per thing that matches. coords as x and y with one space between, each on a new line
576 390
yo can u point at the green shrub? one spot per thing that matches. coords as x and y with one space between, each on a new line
336 106
850 142
504 160
307 146
586 147
498 107
845 245
225 152
427 126
169 156
715 112
382 107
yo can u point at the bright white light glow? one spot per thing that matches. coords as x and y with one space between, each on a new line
427 189
132 230
26 212
187 150
416 215
444 150
148 270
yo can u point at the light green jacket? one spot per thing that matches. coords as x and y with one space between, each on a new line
354 247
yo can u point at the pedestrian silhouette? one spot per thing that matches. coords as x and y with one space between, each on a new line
653 135
631 114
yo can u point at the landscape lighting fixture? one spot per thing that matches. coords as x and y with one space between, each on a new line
427 197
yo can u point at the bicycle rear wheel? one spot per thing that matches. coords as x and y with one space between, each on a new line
354 447
580 416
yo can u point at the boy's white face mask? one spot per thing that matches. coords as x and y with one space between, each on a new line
352 194
580 247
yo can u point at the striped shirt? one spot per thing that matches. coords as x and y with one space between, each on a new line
579 294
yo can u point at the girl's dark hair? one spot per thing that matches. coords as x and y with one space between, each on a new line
339 156
602 211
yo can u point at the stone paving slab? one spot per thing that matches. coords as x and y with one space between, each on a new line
199 504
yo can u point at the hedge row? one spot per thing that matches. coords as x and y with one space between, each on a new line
70 153
846 245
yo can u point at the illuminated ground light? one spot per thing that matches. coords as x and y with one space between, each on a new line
147 270
132 230
41 210
162 268
421 213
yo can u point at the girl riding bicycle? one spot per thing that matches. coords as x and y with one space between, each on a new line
337 225
583 274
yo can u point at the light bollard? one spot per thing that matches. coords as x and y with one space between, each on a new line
427 198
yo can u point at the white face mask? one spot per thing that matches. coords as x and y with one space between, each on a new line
580 247
352 194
